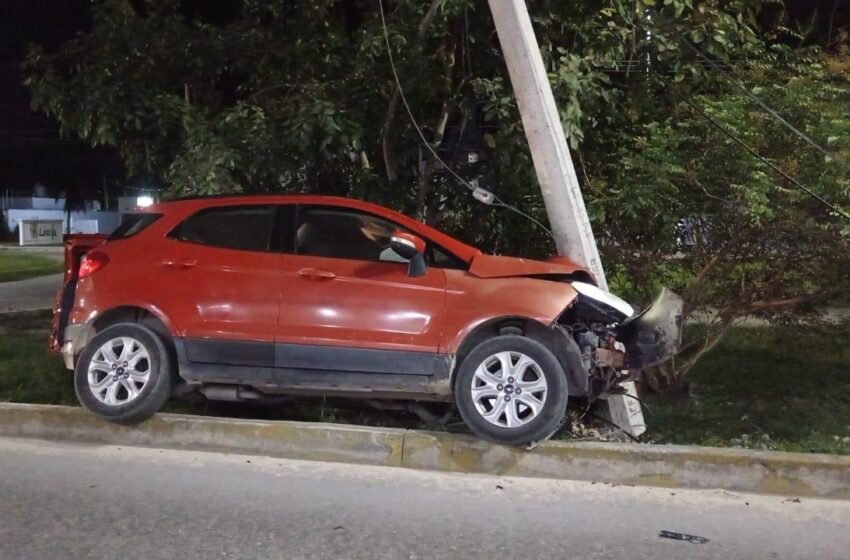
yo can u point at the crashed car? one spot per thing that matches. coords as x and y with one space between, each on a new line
246 298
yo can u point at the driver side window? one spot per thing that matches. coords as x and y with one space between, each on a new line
344 234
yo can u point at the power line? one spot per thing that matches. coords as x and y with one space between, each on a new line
773 113
763 159
803 187
494 200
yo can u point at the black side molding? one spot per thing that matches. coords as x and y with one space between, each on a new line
229 352
313 357
361 360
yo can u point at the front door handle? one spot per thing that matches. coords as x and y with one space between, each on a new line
180 263
314 274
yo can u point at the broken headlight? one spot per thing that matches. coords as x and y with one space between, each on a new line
598 306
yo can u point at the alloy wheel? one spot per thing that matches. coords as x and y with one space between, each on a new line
509 389
119 371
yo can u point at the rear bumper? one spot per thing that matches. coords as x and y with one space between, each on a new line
68 355
72 339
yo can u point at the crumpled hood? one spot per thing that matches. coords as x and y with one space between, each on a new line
492 266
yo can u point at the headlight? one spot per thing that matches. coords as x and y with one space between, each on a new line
605 302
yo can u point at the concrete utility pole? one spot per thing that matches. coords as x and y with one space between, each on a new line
555 171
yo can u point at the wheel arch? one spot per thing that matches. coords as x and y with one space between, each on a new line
150 317
555 339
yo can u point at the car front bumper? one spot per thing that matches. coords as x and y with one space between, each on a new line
653 337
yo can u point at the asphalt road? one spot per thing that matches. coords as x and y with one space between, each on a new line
69 501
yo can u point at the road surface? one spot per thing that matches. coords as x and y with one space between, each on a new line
30 294
33 293
70 501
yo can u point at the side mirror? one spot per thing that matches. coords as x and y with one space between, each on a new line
410 248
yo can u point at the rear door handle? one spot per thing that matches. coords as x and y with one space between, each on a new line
180 263
314 274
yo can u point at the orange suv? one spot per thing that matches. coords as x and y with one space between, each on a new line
245 298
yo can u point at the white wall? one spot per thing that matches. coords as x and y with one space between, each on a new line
43 203
106 221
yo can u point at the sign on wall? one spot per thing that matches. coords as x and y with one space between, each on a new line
40 232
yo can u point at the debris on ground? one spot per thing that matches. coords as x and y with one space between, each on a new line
694 539
582 426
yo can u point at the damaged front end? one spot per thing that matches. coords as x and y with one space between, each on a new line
615 343
653 337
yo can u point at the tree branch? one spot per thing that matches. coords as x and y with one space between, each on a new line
788 303
712 339
831 22
389 119
258 93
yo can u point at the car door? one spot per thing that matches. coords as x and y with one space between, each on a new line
348 303
222 268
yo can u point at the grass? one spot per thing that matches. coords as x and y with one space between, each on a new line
28 372
15 265
780 388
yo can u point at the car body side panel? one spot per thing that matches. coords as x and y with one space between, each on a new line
362 305
471 302
128 280
225 293
198 291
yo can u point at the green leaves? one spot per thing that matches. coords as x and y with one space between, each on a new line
294 95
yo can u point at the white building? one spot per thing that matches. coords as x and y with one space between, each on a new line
90 219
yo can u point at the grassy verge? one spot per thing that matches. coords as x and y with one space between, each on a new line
780 388
15 265
28 373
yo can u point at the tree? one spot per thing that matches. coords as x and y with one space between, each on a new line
286 96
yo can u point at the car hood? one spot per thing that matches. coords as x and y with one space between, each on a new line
492 266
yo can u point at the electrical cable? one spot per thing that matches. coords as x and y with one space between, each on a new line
501 204
763 159
494 200
639 401
772 112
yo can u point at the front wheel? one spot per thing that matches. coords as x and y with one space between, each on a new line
124 374
511 390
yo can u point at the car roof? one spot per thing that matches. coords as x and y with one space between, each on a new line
192 204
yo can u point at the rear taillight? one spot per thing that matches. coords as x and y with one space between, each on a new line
92 262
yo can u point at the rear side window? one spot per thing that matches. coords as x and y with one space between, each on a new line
246 228
133 224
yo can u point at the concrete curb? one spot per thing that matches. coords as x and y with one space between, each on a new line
793 474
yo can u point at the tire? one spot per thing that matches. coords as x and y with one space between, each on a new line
149 371
526 416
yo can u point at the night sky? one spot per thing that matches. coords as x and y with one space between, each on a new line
31 148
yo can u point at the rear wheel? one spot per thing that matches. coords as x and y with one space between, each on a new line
511 390
124 374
